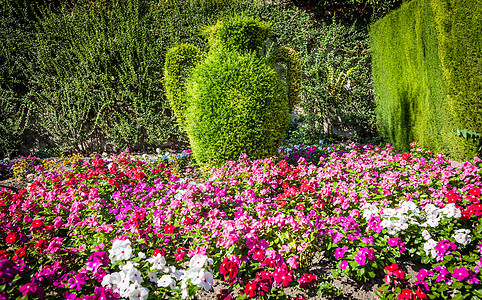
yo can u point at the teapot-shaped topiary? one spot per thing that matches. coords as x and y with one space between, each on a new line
232 101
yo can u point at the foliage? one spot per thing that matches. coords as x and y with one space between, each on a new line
470 135
234 99
459 23
337 95
414 101
350 10
15 33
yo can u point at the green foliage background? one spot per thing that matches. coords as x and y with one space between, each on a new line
415 99
79 93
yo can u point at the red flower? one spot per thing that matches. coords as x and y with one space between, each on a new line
282 276
113 182
19 253
250 289
307 280
229 269
168 229
37 223
224 294
406 156
299 206
451 196
12 237
475 191
420 294
283 164
391 267
4 253
406 294
157 251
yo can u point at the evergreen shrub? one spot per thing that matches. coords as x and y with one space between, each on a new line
417 97
234 100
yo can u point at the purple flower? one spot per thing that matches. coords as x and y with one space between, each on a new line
78 281
444 274
340 252
8 270
460 273
472 278
337 237
361 258
443 248
32 288
367 240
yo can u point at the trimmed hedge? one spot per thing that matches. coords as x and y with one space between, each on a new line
234 101
415 100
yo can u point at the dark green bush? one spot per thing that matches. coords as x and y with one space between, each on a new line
337 95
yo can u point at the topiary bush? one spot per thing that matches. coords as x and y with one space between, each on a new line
233 101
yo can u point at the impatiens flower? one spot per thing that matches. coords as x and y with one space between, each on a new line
460 273
462 236
250 289
340 252
121 250
32 288
406 294
229 270
307 280
207 281
282 276
158 262
137 292
343 265
292 262
12 237
165 281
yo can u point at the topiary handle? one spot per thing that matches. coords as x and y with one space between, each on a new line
180 60
290 58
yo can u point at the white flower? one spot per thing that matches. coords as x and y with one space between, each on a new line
158 262
137 292
207 281
121 250
184 291
426 235
141 255
429 248
134 275
462 236
433 221
450 211
106 281
178 274
152 276
165 281
197 261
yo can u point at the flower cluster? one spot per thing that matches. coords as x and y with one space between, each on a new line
131 227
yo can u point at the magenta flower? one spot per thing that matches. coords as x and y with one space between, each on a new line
343 265
32 288
460 273
340 252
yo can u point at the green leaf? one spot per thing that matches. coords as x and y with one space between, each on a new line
458 296
371 274
478 292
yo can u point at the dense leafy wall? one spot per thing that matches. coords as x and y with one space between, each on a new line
414 101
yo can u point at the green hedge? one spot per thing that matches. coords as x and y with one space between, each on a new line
415 101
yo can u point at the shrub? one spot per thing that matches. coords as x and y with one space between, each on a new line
337 95
422 93
235 100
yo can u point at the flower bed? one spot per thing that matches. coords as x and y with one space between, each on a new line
131 228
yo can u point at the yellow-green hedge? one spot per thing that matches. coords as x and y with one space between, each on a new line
427 71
